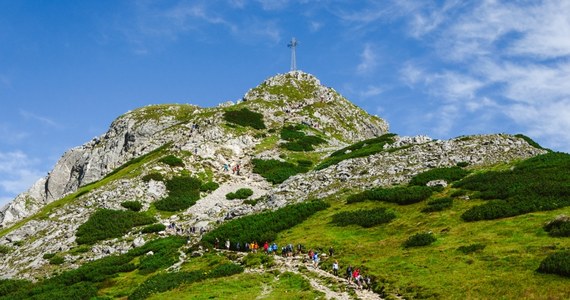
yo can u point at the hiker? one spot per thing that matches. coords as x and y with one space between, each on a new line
228 244
316 260
311 254
226 168
331 251
237 169
255 246
299 248
368 281
274 248
356 276
266 247
349 273
238 246
246 247
335 268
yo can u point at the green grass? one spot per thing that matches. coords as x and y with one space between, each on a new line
125 170
505 268
247 286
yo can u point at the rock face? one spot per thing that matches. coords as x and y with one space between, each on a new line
205 142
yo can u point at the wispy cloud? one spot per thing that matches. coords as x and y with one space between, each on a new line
368 60
44 120
273 4
9 135
371 91
17 173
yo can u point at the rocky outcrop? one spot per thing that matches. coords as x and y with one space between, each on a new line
413 155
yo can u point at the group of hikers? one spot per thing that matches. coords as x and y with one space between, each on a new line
235 169
353 275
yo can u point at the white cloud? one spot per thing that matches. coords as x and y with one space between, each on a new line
315 26
368 60
17 173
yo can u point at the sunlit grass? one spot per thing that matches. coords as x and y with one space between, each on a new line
505 268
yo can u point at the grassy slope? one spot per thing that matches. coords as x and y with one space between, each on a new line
505 268
127 170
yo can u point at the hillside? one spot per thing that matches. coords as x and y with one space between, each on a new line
134 213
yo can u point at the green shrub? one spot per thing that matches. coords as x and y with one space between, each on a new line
48 255
364 218
9 286
253 202
471 248
276 171
438 204
245 117
83 282
448 174
264 226
558 227
242 193
167 281
556 263
297 140
153 228
292 132
153 176
360 149
529 141
183 192
399 195
56 260
172 161
5 249
536 184
420 239
106 223
304 163
462 164
132 205
209 186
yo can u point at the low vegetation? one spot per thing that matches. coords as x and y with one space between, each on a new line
363 217
183 192
264 226
471 248
132 205
5 249
167 281
297 140
107 223
559 227
401 195
276 171
450 174
245 117
172 161
85 281
360 149
209 186
420 239
438 204
537 184
153 228
153 176
556 263
242 193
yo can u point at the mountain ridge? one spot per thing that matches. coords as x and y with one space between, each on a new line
304 124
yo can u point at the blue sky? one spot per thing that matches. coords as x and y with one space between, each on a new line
441 68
